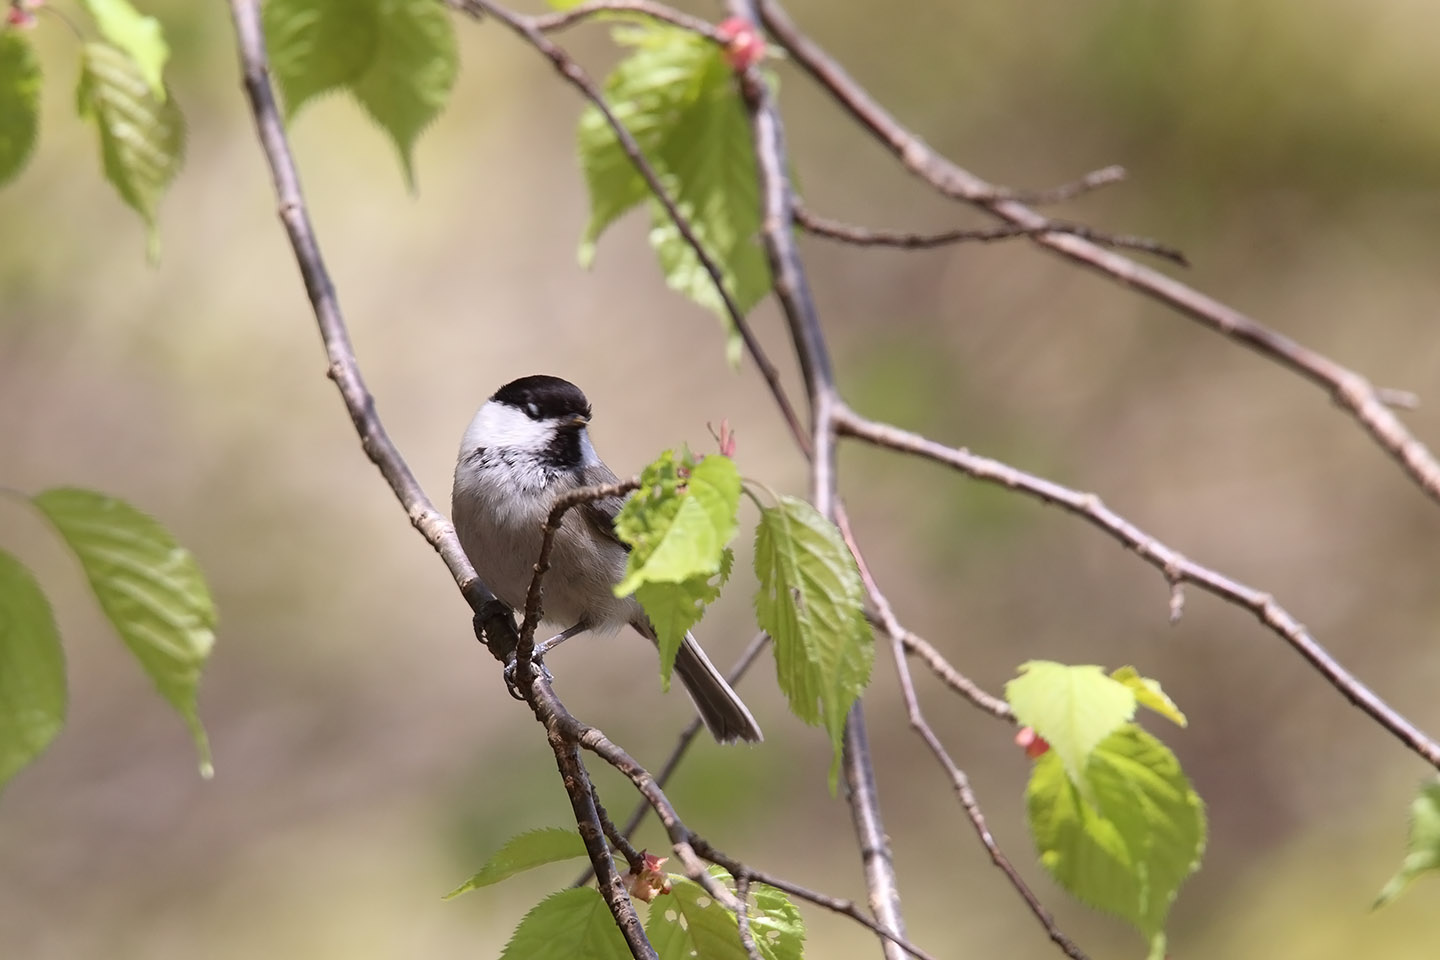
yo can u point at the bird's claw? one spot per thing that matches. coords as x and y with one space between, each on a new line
512 669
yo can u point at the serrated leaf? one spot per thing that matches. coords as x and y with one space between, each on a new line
138 35
32 670
19 103
318 45
686 924
678 525
1148 694
675 94
811 602
142 138
149 588
1128 851
408 80
1423 850
569 925
675 608
523 852
1072 707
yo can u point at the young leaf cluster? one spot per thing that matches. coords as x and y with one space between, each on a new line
149 588
684 923
121 91
1114 818
678 526
675 94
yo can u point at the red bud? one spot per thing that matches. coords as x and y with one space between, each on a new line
1031 742
744 46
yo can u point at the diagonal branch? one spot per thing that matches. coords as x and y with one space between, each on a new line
561 19
1172 565
493 619
575 75
843 232
1368 405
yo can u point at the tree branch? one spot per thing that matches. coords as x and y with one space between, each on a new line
550 22
1348 389
1172 565
575 75
907 240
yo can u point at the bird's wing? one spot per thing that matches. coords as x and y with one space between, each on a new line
600 515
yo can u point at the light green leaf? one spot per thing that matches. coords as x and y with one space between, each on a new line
678 525
526 851
1128 851
564 4
675 608
136 34
686 924
676 95
408 79
569 925
32 670
19 103
811 602
1148 694
150 589
319 45
1423 853
142 138
1073 708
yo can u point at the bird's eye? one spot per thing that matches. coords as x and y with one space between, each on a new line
533 410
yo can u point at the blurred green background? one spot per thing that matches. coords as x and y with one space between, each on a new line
367 756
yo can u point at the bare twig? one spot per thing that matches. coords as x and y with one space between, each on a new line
550 22
971 805
682 745
838 905
534 595
575 75
1348 389
1171 564
492 618
747 939
634 858
1093 180
907 240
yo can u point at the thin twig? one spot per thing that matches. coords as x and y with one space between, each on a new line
575 75
1347 388
747 939
839 905
971 805
550 22
792 290
1092 181
492 617
682 745
634 858
907 240
534 594
1171 564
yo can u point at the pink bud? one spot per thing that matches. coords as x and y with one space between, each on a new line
1031 742
744 47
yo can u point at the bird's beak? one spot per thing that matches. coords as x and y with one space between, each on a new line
579 420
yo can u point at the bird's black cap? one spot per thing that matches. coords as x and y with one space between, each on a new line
544 398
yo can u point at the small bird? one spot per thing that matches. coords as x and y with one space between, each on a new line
526 446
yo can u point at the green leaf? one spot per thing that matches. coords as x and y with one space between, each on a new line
686 924
32 670
398 58
150 589
531 849
1128 850
408 79
811 602
678 525
1073 708
1423 853
19 103
569 925
676 95
137 35
1148 694
317 46
142 138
